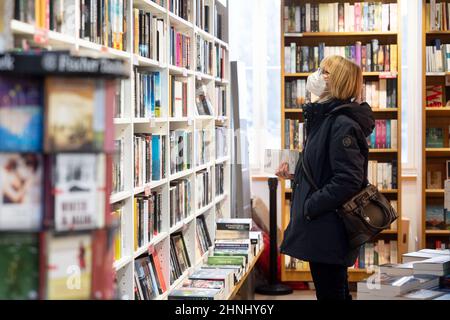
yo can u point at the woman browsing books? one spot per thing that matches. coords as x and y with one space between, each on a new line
335 155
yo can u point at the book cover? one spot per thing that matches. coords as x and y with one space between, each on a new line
75 115
19 266
69 267
435 96
21 115
21 185
435 217
434 138
79 191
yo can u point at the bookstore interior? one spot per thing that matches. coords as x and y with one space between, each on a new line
135 135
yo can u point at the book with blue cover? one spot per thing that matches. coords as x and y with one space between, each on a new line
156 158
21 115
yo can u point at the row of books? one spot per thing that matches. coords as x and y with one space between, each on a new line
180 49
221 142
181 8
147 88
220 179
179 256
437 137
293 134
180 150
204 55
371 57
435 96
437 173
178 97
203 238
149 281
376 253
118 178
104 22
438 56
384 136
180 200
147 217
203 183
149 158
341 17
234 249
220 61
202 100
203 150
380 94
202 15
383 175
437 16
420 276
149 35
26 275
221 101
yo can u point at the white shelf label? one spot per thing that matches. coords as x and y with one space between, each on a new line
184 72
135 60
147 191
152 122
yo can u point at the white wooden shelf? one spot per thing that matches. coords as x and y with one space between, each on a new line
122 262
151 6
122 121
180 224
201 211
222 159
120 196
151 185
221 197
205 35
180 23
181 71
180 175
204 166
154 241
200 76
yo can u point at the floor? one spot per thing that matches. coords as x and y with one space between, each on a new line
296 295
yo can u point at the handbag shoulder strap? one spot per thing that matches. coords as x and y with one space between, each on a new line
308 174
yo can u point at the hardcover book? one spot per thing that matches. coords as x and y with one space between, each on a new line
21 115
69 267
19 266
21 185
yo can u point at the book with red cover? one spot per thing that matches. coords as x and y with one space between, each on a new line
159 271
103 259
435 96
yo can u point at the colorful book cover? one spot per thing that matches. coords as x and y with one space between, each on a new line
157 88
435 217
21 185
19 266
435 96
69 267
74 115
21 115
156 158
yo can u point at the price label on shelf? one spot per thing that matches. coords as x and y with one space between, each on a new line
190 121
104 49
41 36
199 77
147 191
151 249
185 73
135 60
152 122
388 75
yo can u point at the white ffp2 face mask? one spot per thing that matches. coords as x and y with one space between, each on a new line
316 84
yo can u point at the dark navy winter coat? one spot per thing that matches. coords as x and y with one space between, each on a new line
336 152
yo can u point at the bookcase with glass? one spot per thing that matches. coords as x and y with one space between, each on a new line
436 124
171 165
367 33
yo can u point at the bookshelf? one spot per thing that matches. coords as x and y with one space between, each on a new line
434 115
127 125
347 37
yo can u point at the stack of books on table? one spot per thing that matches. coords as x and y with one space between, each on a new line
234 249
419 277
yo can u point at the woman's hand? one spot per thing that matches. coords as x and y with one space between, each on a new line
283 171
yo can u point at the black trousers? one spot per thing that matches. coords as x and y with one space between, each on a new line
331 281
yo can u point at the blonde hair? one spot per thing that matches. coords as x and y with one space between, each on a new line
345 77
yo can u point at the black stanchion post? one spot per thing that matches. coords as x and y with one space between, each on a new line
273 287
